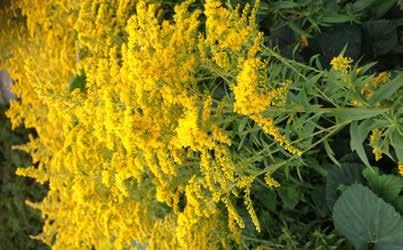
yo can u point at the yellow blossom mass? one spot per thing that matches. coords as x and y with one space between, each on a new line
140 155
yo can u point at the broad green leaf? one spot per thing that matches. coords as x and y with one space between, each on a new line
365 219
358 134
387 90
398 204
347 174
387 187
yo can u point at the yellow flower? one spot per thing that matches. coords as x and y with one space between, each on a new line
122 157
270 181
304 41
380 79
341 63
374 141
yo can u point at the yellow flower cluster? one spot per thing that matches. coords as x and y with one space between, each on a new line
374 141
341 63
378 80
270 181
139 157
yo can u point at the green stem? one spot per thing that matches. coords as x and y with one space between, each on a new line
274 167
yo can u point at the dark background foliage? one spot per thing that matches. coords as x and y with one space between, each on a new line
17 220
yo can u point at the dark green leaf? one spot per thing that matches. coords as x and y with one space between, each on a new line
330 153
268 199
387 187
347 174
336 18
358 134
382 8
396 141
290 195
364 218
361 5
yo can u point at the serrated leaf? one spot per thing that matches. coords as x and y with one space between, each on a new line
364 219
387 187
347 174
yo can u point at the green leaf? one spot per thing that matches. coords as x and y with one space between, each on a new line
364 219
396 141
290 195
78 82
242 124
365 68
347 174
361 5
398 204
298 30
387 187
382 8
387 90
337 18
358 134
330 153
268 198
356 114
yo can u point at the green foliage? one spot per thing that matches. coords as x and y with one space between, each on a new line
78 82
367 221
346 174
17 220
319 111
388 187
